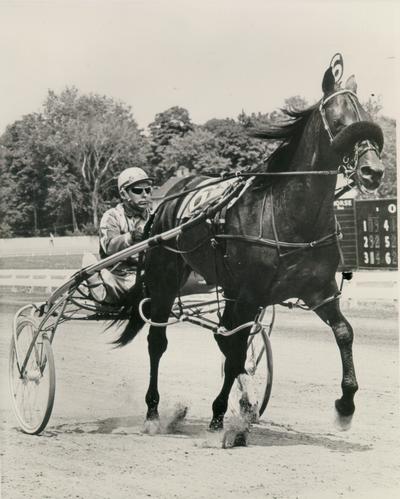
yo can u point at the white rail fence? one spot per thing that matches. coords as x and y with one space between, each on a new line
36 246
31 279
366 287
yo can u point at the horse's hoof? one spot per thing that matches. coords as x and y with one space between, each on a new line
342 423
345 408
217 424
234 438
152 426
152 415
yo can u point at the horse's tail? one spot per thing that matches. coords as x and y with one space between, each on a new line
131 309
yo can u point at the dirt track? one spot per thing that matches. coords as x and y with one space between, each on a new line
94 446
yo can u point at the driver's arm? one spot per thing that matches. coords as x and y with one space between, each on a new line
111 239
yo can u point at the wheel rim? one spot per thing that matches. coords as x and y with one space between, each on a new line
259 366
32 393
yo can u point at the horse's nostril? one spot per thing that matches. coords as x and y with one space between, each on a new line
371 173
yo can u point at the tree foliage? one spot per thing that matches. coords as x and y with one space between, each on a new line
58 168
94 137
235 145
173 123
24 174
196 151
388 186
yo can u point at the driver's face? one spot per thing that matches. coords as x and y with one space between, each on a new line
139 195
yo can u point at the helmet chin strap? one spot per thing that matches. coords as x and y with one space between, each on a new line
124 195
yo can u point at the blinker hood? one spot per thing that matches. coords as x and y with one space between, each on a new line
361 130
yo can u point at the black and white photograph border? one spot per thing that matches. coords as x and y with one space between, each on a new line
238 157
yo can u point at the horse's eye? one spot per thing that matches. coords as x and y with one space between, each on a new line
338 124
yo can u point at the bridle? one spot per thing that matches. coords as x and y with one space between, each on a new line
348 165
353 100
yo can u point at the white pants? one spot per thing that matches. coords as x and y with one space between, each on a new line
106 286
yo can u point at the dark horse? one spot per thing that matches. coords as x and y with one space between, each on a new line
280 239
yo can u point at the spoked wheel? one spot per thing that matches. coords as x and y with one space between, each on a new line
255 389
259 366
33 388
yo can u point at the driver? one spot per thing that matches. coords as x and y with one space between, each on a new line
121 227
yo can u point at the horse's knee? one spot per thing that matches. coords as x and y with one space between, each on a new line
157 343
343 333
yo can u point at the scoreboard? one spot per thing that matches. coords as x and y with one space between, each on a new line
377 233
345 214
369 229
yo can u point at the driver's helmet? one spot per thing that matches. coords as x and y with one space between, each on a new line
131 176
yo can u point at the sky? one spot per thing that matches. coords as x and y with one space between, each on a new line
212 57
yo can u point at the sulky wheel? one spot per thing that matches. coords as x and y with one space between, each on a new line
259 366
33 389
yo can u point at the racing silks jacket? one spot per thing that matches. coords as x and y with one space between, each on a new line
119 229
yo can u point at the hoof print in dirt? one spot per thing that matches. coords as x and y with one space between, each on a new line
234 438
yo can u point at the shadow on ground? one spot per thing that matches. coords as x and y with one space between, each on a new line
265 435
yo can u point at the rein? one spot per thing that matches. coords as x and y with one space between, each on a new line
347 167
221 177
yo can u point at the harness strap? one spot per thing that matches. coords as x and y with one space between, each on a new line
276 242
330 299
323 241
291 305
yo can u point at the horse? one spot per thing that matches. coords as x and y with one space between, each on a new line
280 239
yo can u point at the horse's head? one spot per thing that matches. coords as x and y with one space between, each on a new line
354 137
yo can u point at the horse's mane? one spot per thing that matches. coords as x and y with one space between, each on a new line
289 131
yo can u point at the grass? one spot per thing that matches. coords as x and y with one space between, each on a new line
41 262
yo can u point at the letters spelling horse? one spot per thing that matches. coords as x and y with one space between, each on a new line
280 239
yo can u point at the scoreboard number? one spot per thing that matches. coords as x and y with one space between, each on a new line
376 222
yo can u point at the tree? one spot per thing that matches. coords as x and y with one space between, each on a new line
388 187
66 197
296 102
235 144
174 122
373 106
24 176
61 164
94 136
196 151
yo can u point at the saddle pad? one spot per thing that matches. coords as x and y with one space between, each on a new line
197 201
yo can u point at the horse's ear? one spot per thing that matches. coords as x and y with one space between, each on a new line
328 83
351 84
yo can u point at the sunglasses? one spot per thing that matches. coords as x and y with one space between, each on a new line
140 190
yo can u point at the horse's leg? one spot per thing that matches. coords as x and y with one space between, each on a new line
157 345
331 315
162 293
234 349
